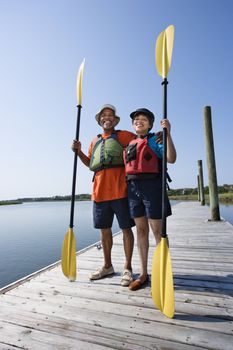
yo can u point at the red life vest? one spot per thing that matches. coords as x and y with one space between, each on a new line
140 158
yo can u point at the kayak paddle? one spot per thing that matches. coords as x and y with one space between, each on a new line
162 288
68 260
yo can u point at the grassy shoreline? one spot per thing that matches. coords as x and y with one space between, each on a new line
11 202
78 197
224 198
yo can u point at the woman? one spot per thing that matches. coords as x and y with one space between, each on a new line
143 158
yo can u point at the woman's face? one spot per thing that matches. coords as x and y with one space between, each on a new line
141 124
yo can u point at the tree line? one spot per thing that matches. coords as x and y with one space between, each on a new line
192 191
78 197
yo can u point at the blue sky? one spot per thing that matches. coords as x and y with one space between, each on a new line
44 42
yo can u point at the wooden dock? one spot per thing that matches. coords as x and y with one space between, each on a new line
45 311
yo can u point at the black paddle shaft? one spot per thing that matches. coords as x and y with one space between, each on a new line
164 164
75 170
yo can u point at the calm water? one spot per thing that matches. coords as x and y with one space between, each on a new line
31 234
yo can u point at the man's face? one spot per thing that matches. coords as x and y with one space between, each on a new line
107 119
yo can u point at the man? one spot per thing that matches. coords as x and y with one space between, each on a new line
105 158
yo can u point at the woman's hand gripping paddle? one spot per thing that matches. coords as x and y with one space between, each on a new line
162 288
68 260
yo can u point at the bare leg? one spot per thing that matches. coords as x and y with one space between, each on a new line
128 240
143 244
156 226
106 240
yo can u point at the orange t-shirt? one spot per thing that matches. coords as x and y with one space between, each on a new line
110 183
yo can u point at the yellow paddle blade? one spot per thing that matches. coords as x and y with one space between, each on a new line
162 288
163 51
68 260
80 82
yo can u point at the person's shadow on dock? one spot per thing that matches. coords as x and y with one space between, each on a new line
204 285
203 318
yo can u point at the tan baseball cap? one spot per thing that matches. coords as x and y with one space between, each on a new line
97 116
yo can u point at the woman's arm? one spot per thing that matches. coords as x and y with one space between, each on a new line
171 150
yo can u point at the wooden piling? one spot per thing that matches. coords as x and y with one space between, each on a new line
211 165
201 182
198 189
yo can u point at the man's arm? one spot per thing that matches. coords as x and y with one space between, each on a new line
76 147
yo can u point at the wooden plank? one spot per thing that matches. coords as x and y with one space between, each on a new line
94 302
84 290
167 330
26 337
76 330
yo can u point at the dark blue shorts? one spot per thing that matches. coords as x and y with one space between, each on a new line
103 213
145 198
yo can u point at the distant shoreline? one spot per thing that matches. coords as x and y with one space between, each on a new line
224 198
78 197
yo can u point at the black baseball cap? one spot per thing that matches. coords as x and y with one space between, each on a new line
145 112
